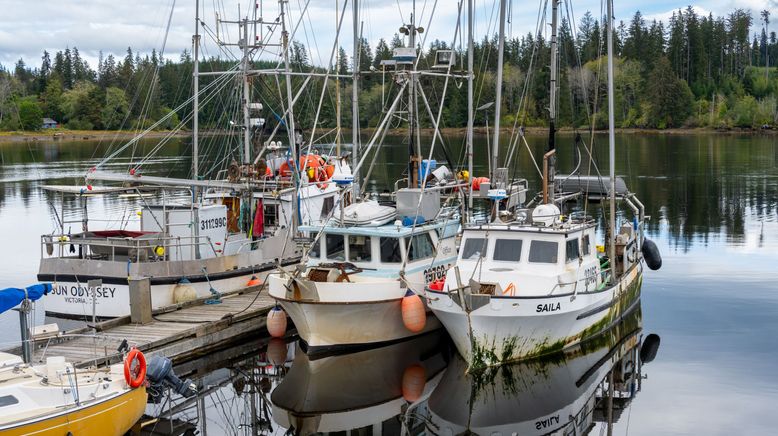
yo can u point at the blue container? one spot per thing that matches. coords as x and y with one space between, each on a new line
426 168
409 221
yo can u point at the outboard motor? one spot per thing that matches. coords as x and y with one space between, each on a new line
651 254
160 374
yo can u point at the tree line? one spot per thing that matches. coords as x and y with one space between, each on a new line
694 70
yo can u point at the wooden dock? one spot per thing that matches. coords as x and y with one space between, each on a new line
180 332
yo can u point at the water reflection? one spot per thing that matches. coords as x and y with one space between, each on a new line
566 394
415 387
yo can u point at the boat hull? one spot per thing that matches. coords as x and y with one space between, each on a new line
114 416
340 321
518 328
73 299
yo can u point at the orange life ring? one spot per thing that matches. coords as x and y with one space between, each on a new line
136 377
321 178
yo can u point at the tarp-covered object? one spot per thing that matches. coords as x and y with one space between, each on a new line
11 297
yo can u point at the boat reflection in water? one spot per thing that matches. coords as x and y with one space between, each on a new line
568 394
370 390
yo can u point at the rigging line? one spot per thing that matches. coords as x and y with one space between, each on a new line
426 31
326 78
152 127
285 51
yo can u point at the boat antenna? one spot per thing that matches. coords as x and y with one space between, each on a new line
498 92
611 147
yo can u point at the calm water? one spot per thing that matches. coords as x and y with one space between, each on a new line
714 206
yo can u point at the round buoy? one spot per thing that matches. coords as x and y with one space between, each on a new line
414 313
135 368
414 379
276 352
276 322
254 281
184 292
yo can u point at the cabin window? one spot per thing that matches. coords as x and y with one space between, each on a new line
473 248
271 215
573 252
327 206
587 245
390 250
543 251
336 249
421 247
359 248
8 400
507 250
315 250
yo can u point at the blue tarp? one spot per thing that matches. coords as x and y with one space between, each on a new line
11 297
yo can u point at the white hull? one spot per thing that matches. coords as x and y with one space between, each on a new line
71 300
348 314
516 328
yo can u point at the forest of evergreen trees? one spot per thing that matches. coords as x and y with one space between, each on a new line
693 71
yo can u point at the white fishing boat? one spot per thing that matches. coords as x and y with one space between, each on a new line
193 238
533 281
350 292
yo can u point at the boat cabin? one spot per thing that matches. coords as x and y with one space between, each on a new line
383 247
510 260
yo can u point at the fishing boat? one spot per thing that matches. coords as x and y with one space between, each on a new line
360 282
362 389
533 281
193 237
564 395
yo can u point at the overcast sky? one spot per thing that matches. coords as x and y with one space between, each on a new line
27 27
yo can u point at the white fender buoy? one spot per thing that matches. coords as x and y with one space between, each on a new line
184 292
276 322
414 312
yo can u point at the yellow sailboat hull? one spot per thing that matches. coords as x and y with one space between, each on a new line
112 417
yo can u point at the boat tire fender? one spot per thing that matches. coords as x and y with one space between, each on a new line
135 378
651 254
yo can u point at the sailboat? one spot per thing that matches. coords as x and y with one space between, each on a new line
195 238
533 281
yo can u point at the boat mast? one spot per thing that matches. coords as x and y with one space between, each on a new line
355 101
337 82
611 147
498 92
549 188
246 95
290 119
196 101
470 113
413 146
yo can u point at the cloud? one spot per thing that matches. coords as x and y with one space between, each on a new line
27 28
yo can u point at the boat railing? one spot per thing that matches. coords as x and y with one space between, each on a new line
122 248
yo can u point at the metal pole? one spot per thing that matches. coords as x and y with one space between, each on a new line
552 105
470 113
246 95
611 146
498 92
196 101
290 120
24 310
355 100
337 82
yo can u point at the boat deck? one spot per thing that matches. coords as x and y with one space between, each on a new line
179 332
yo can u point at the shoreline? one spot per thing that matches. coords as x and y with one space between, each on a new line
99 135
